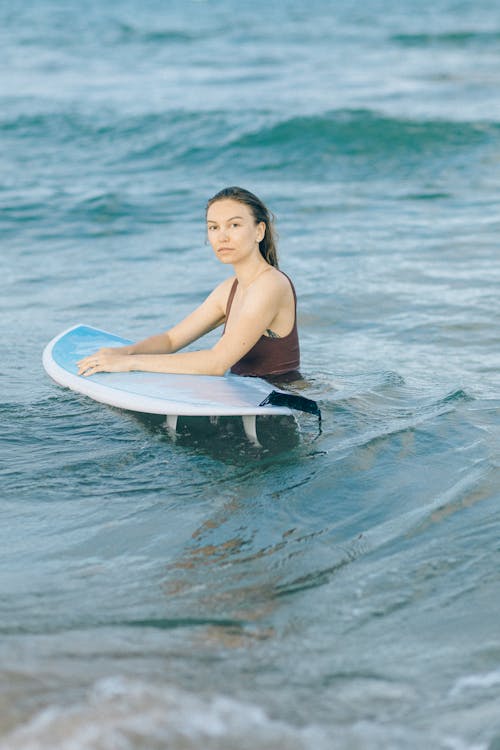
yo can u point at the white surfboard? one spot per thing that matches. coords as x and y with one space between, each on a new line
159 393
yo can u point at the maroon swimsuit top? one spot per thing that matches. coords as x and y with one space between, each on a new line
271 355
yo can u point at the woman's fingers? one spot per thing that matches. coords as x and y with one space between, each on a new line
88 365
101 361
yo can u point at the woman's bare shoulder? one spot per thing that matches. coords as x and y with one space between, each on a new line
225 286
274 281
222 291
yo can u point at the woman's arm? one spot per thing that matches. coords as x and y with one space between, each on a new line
259 309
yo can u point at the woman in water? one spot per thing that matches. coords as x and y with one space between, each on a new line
257 307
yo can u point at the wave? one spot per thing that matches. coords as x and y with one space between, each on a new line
339 131
348 144
365 132
352 143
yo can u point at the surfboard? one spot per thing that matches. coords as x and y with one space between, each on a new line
160 393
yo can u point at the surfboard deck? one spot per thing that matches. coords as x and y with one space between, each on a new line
157 393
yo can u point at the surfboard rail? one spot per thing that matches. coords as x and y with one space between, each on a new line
152 393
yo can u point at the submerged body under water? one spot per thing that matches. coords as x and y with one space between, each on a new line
339 591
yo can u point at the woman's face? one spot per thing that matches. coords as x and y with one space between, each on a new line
232 230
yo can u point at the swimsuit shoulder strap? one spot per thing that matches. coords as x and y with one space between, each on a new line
291 284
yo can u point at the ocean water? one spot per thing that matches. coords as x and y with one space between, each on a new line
200 593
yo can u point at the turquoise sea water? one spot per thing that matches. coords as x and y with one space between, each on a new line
201 594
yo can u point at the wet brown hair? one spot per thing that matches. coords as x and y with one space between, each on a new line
267 245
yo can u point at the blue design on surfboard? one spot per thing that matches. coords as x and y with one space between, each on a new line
160 393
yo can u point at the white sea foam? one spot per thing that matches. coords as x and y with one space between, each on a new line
124 714
476 682
120 713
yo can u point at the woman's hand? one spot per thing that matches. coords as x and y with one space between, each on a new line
105 360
